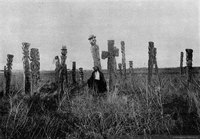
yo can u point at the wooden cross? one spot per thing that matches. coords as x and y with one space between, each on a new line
111 65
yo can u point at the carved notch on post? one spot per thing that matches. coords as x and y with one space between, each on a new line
111 65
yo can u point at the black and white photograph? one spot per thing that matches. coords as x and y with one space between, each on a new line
99 69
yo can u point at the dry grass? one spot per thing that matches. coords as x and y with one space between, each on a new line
133 108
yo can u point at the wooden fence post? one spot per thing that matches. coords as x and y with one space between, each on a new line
74 72
189 55
8 72
150 61
95 51
25 48
111 65
181 63
131 68
120 69
35 68
123 58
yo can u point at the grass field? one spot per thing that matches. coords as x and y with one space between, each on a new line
169 106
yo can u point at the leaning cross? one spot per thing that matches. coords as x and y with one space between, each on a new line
111 54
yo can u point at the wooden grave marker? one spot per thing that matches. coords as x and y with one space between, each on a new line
111 64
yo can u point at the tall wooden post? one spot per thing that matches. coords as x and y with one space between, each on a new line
35 68
8 72
25 48
181 63
81 75
74 72
131 68
95 51
120 69
63 70
150 61
189 55
123 58
111 65
155 60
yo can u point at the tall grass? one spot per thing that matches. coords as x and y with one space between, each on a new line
133 108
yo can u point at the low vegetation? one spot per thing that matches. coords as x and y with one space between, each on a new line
169 106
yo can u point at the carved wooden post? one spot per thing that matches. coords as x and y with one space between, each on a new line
111 54
63 70
123 58
189 55
150 62
131 68
81 75
25 48
95 51
35 68
181 63
74 72
155 60
8 72
120 69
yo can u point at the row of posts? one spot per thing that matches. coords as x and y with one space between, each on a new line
32 69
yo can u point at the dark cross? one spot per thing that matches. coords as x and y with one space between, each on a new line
189 55
8 72
111 64
181 63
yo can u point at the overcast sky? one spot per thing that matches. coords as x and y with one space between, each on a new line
173 26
